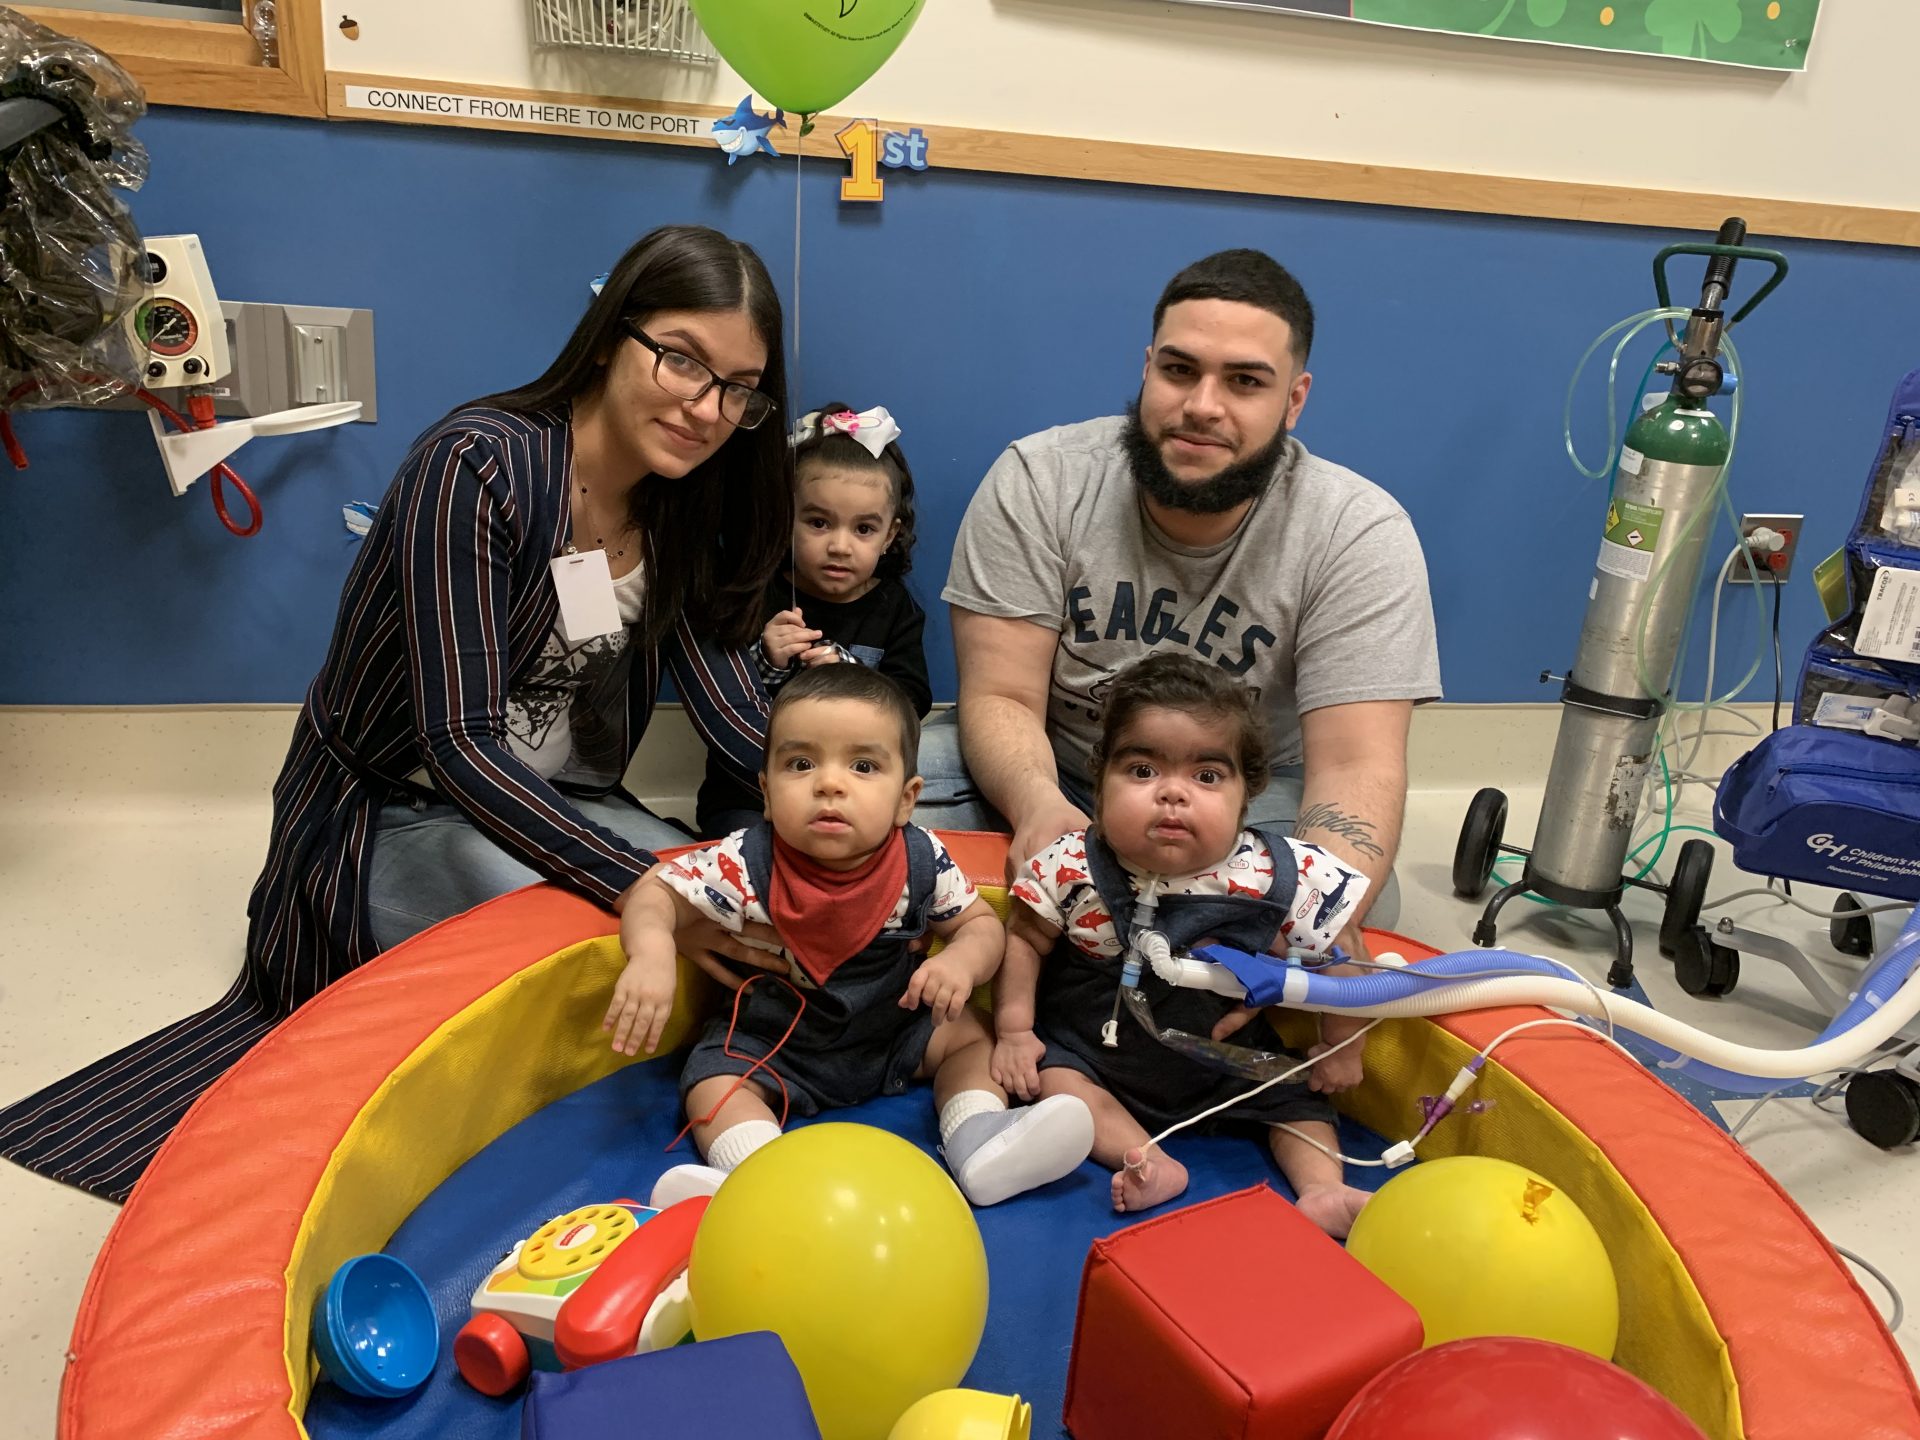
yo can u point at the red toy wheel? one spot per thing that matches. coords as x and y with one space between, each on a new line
491 1355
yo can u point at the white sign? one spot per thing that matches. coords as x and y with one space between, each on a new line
494 109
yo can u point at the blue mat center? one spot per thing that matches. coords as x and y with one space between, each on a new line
606 1143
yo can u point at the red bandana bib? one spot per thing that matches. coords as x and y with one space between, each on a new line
826 917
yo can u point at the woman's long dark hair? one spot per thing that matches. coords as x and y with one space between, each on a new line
714 539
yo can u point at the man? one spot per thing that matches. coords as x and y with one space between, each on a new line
1195 520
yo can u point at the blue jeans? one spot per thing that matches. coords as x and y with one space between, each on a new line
949 800
430 862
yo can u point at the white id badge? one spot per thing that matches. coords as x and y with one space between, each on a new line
585 587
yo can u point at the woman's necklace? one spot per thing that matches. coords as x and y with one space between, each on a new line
585 517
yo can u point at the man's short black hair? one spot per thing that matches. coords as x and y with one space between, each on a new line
846 681
1247 277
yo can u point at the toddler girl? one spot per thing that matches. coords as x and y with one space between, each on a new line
841 598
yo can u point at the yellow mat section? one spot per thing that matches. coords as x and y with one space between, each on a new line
1667 1336
521 1046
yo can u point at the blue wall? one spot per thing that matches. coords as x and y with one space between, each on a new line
979 308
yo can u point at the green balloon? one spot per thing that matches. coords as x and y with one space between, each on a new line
806 55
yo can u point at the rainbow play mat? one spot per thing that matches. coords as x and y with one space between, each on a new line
384 1115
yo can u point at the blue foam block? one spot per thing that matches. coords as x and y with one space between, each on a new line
744 1386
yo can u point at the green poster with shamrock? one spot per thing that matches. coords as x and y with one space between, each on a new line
1769 34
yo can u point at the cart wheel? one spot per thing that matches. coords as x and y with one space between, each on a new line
1686 893
1851 929
1884 1107
1703 966
1479 844
490 1354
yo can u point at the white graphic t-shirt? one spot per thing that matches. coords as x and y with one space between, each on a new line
539 708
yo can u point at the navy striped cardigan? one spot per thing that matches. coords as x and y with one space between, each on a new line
449 603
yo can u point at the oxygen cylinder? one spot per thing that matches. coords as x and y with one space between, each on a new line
1668 470
1667 478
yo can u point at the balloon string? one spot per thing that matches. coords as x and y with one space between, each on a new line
796 393
798 159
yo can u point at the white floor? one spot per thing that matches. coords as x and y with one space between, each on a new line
129 840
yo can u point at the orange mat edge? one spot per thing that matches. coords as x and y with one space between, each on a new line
145 1295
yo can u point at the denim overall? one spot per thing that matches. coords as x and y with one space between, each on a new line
1160 1086
853 1040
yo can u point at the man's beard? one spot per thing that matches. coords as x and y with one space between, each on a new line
1238 483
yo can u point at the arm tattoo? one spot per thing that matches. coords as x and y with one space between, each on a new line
1351 828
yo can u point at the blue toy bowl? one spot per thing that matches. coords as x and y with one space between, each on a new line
374 1329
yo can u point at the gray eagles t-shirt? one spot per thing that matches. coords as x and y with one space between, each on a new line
1320 598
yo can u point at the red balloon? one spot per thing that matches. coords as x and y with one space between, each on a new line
1509 1389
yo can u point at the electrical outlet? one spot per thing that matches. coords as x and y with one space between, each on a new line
1778 562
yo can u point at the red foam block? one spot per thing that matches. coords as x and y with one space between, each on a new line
1236 1317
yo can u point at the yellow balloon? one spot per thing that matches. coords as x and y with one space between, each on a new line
1484 1247
863 1257
965 1415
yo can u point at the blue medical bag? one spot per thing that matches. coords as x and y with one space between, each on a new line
1829 807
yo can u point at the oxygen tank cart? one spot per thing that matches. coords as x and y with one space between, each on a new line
1668 471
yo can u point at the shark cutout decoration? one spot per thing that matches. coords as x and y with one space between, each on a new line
745 132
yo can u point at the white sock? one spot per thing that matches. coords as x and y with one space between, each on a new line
733 1145
963 1107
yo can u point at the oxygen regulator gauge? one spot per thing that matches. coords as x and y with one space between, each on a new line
166 327
178 330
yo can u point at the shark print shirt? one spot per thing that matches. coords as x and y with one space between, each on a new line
714 881
1059 889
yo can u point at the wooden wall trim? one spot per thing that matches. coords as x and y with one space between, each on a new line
202 42
206 64
303 51
1006 152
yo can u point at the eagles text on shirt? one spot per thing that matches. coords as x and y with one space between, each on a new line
1121 617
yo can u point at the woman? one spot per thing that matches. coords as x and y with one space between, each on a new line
469 728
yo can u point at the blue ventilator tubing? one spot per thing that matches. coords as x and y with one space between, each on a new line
1480 979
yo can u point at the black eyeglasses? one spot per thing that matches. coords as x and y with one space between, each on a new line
689 379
